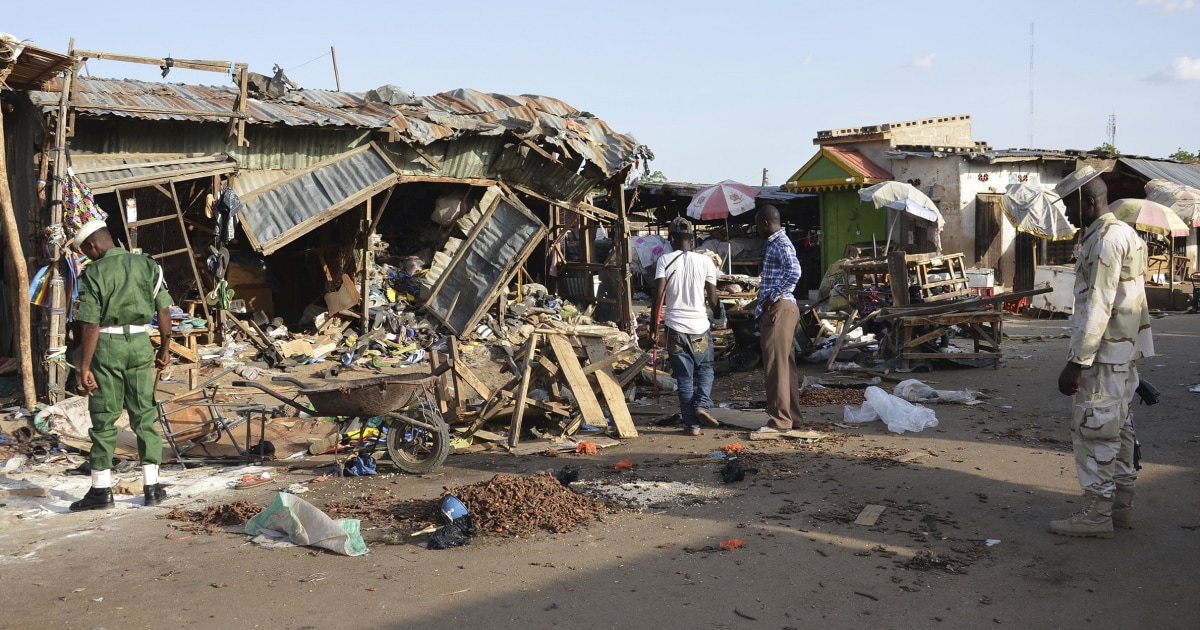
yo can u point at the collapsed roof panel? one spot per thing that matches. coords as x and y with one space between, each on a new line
106 173
281 212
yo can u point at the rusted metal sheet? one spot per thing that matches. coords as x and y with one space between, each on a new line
277 214
105 173
442 117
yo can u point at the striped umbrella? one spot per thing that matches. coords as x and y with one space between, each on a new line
723 200
1184 200
1149 216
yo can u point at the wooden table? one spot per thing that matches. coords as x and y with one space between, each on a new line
985 328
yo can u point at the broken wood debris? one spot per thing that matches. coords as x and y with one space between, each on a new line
572 372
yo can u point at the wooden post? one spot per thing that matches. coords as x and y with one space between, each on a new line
366 270
624 280
336 79
20 290
514 429
898 278
56 373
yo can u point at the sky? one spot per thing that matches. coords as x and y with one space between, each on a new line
717 90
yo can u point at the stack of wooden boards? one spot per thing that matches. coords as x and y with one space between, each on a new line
552 360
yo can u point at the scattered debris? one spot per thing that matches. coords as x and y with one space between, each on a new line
214 517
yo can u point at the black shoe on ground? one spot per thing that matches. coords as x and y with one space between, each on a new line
154 494
95 499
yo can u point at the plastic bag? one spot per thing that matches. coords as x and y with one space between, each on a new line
913 390
898 414
298 521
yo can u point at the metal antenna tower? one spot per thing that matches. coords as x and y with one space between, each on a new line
1111 130
1031 85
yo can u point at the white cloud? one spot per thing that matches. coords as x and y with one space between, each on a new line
924 62
1170 6
1183 69
808 60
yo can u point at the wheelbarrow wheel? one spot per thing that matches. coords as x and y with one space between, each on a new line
416 449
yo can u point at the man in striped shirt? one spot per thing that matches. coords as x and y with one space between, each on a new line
778 317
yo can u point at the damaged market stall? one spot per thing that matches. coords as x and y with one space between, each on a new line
316 173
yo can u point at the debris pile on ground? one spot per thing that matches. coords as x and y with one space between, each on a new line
822 396
507 504
214 517
520 506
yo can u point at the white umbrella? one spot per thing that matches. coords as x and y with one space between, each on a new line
906 198
1038 211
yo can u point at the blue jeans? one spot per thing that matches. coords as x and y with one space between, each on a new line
692 358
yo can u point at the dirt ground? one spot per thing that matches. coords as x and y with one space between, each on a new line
962 542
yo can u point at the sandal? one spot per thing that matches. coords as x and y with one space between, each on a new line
250 481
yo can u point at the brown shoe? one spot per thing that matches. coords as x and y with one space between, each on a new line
1093 521
706 418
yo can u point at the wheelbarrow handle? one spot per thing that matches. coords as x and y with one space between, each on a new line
274 394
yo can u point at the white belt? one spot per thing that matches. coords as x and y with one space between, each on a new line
126 330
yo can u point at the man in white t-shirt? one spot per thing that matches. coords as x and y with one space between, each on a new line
683 282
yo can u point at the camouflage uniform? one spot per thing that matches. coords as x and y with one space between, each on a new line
1112 331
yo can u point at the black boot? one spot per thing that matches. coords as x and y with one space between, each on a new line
95 499
155 494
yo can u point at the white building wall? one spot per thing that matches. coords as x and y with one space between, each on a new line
953 182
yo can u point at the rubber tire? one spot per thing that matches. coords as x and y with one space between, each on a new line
438 443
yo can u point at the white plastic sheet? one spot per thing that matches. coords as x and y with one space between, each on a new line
898 414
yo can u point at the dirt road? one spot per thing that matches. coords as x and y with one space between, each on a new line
962 542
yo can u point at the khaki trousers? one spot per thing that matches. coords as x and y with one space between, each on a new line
778 331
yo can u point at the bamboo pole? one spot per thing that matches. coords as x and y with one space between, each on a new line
20 293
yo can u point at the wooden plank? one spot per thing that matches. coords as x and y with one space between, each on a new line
471 379
24 492
869 515
606 364
617 407
514 428
961 305
569 364
841 340
632 371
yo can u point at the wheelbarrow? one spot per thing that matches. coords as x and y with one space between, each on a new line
418 439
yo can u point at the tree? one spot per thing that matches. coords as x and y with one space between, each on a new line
1107 148
656 177
1183 156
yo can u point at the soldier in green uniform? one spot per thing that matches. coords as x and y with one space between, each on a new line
119 292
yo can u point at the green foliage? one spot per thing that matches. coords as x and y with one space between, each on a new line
656 177
1107 148
1183 156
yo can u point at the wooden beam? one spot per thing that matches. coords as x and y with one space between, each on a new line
573 373
514 429
187 64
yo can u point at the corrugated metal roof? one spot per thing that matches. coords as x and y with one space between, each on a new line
276 214
449 115
105 173
33 67
1186 174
